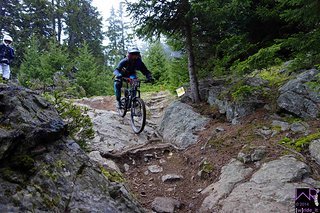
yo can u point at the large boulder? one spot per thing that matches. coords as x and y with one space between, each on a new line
180 123
298 98
62 178
235 110
204 87
232 110
41 170
26 120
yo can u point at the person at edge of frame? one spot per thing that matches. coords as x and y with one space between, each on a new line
6 57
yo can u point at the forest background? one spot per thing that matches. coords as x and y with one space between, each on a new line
59 43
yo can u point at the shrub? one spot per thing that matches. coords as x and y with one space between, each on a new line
78 121
265 57
243 92
274 76
315 84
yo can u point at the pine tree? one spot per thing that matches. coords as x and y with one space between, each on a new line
37 20
157 61
38 66
113 49
89 74
55 59
58 19
83 24
32 73
9 16
118 35
175 17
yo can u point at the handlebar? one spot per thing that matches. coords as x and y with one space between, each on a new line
130 80
134 82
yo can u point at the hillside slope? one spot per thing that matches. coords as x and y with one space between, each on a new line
205 158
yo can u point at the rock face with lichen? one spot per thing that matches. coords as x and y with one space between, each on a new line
297 97
42 170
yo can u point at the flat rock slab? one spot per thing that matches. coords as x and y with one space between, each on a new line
114 133
270 189
231 174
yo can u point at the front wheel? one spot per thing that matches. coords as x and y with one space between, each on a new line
138 115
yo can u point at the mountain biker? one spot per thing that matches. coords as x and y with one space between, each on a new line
127 67
6 56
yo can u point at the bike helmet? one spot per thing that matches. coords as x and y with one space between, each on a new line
7 40
134 50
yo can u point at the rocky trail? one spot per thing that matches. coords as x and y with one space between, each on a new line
218 156
214 166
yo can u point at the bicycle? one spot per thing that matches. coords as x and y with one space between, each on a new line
132 101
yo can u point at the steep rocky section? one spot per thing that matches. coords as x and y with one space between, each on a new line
42 170
214 157
217 157
260 177
113 132
157 104
239 163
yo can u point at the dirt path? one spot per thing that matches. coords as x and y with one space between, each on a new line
187 163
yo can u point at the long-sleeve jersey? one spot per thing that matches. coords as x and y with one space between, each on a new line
128 67
6 52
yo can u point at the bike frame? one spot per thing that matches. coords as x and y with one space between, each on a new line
131 91
132 101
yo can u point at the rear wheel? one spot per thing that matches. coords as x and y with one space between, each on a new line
122 111
138 115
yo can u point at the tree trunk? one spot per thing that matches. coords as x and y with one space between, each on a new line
123 48
59 29
59 21
191 66
2 15
54 12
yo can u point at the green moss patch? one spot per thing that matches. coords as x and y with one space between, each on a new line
300 143
112 176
